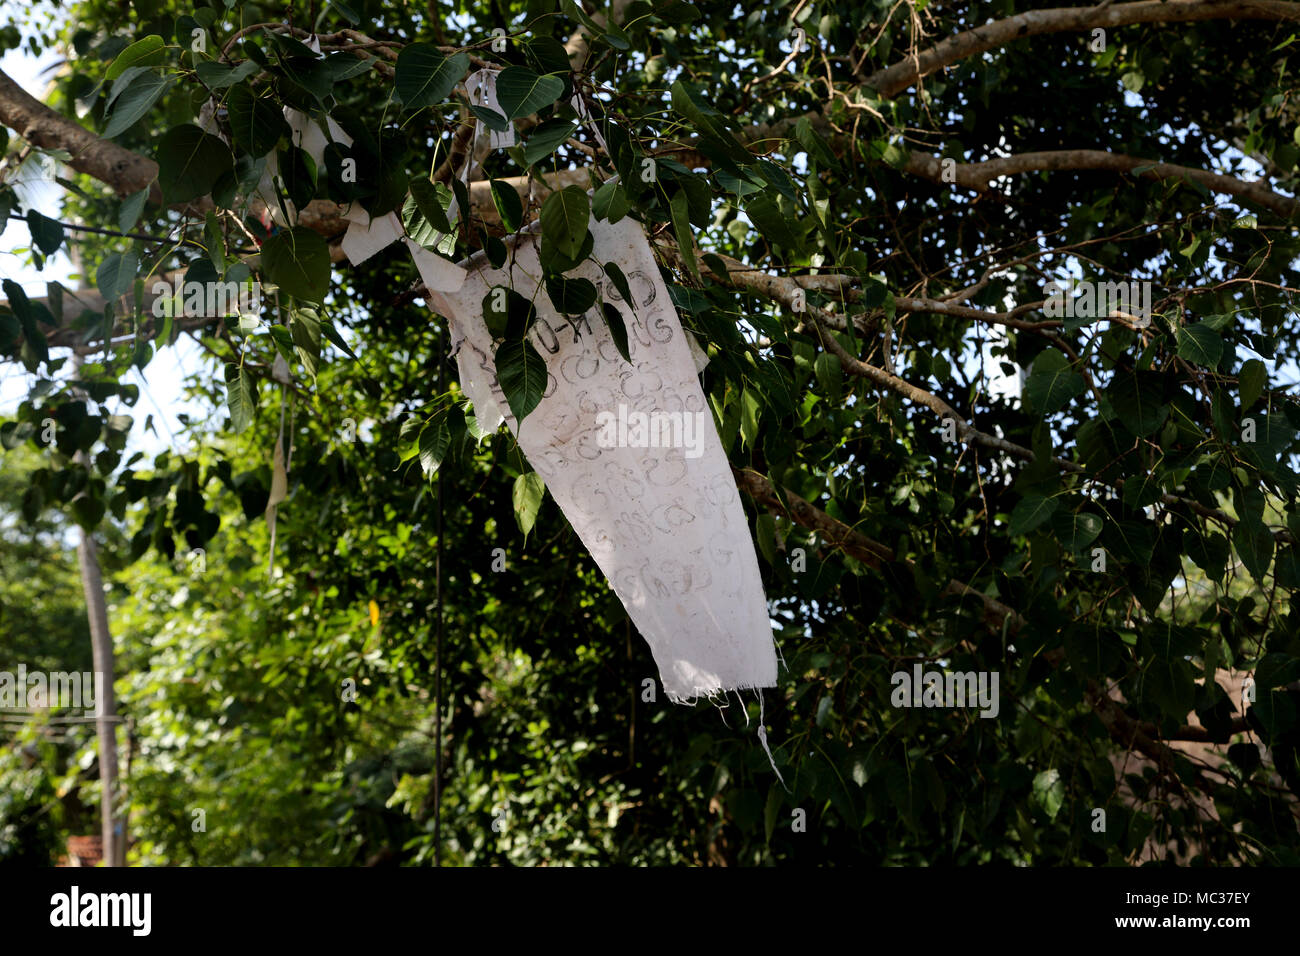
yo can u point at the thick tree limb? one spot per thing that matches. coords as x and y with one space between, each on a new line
1123 729
126 172
1128 732
894 79
789 505
978 176
856 544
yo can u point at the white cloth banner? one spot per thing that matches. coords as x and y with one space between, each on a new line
665 524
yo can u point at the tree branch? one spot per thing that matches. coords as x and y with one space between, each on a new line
782 289
857 545
978 176
892 80
126 172
1123 729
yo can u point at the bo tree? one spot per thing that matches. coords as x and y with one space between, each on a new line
865 212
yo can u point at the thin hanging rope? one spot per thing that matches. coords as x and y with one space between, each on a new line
274 510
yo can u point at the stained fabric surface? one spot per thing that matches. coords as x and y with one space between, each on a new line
664 524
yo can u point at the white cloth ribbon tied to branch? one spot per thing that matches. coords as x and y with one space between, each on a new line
665 524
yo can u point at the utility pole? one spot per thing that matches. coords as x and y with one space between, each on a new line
112 827
101 642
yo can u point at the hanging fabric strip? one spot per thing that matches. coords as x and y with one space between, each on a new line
481 88
631 455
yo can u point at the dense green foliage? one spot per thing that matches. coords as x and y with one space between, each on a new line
43 622
236 680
